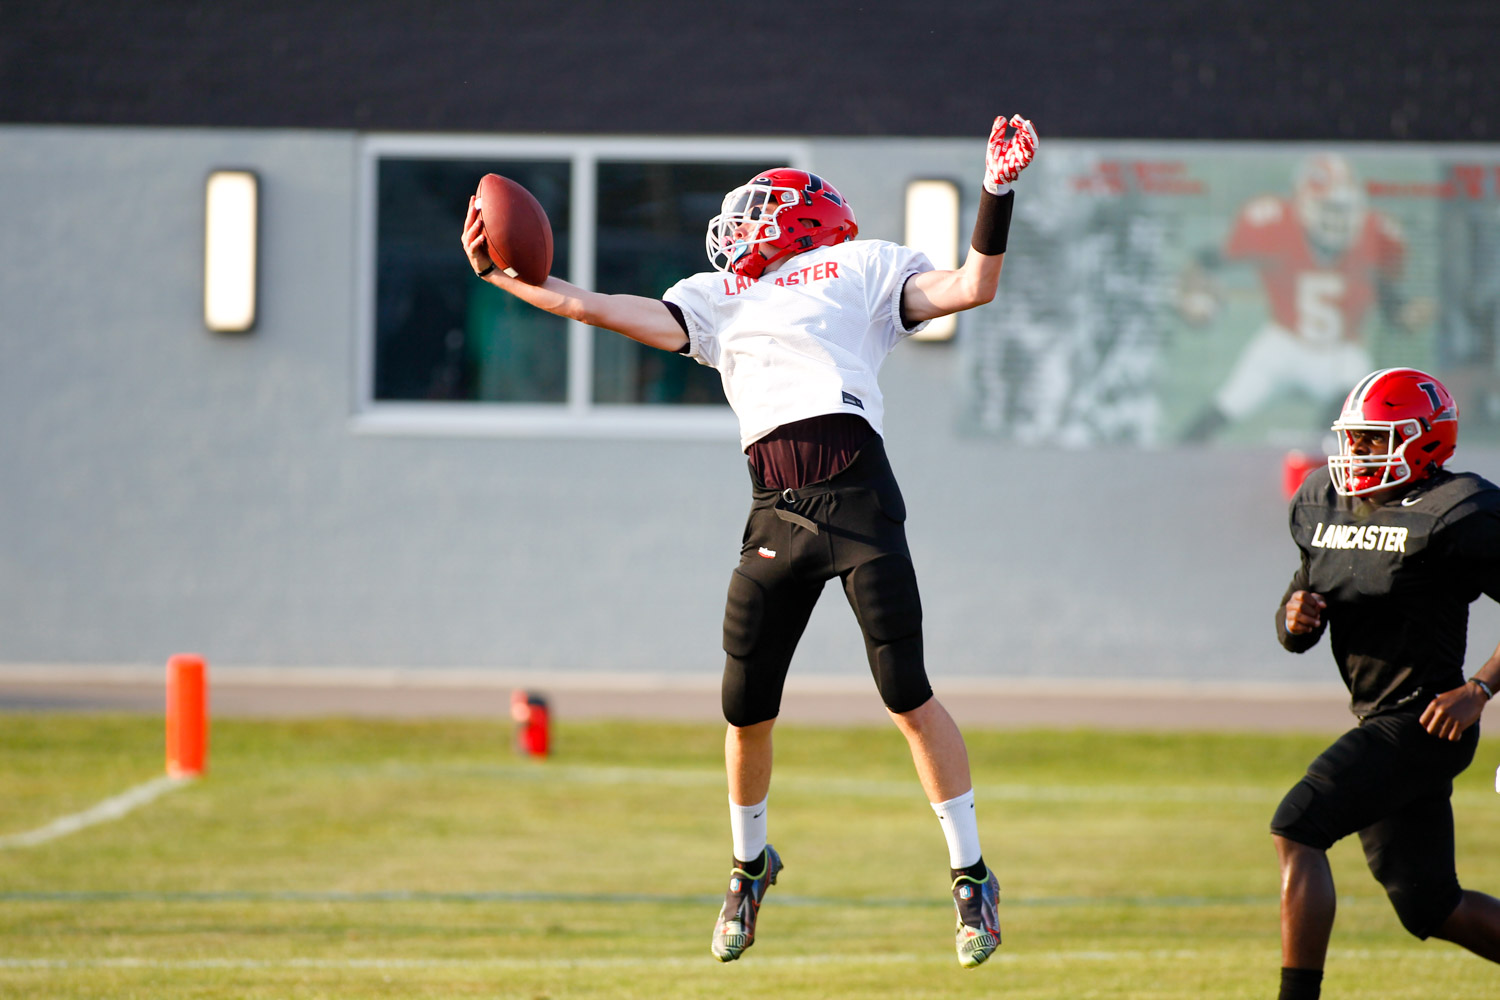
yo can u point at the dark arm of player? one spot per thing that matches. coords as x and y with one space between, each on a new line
1488 675
1299 618
1473 551
1452 712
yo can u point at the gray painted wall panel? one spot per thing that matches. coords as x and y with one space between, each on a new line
163 488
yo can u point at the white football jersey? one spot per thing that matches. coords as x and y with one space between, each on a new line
805 339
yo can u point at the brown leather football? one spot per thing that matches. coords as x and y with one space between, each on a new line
516 229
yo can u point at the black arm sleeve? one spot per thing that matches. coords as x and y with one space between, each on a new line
676 312
992 227
906 323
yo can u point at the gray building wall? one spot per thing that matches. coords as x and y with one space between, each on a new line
164 489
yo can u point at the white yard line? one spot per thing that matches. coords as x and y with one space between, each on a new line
1021 958
111 808
553 773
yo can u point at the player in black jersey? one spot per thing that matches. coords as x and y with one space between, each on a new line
1394 549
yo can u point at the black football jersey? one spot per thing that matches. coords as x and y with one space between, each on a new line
1398 577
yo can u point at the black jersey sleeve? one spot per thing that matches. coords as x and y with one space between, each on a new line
1299 642
1472 546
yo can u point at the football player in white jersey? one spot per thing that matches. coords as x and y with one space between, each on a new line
797 317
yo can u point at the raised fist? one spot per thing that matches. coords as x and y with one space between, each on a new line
1008 154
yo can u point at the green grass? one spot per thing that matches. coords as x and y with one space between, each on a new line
343 859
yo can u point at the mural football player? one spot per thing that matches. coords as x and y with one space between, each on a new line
797 316
1394 549
1324 259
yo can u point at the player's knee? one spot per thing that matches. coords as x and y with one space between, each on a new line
1297 818
889 607
1422 897
1423 909
745 703
748 696
900 675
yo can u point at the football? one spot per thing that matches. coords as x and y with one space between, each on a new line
516 229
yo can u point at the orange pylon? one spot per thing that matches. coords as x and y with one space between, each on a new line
187 716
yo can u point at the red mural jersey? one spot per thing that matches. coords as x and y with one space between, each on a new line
1322 299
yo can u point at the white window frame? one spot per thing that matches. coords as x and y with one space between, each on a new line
579 416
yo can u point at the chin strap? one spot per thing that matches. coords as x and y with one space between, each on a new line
832 239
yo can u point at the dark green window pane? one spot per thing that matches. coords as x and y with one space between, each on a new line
441 334
652 219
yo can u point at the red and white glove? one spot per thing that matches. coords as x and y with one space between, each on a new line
1008 155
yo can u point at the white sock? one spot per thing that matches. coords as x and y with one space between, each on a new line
747 824
961 828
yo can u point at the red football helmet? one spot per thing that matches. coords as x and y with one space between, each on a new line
790 210
1416 414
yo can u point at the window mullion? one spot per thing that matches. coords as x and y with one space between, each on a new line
580 336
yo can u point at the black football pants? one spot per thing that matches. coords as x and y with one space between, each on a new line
851 526
1391 781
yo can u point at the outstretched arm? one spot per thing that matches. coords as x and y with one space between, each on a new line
937 293
637 317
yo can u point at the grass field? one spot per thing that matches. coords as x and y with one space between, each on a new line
347 859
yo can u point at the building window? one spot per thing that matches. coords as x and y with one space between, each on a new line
446 352
440 335
651 222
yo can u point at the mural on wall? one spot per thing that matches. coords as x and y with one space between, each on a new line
1165 295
